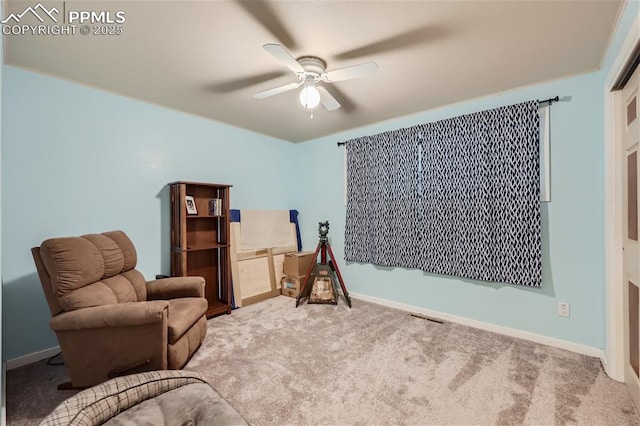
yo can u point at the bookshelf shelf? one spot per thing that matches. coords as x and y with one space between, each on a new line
207 247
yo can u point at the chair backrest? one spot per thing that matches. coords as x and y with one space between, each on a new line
91 270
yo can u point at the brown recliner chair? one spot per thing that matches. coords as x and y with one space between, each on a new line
108 319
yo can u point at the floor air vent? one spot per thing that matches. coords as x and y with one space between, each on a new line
427 318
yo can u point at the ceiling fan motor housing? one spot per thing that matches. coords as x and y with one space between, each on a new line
314 67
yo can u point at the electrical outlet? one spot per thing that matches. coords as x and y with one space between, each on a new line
563 309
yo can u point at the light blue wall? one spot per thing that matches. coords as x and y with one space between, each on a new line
77 160
573 231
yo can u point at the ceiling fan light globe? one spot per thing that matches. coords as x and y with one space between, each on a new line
309 97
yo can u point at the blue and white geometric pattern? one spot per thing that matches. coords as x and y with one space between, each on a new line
456 197
383 199
481 196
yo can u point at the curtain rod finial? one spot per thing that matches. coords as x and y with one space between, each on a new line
550 100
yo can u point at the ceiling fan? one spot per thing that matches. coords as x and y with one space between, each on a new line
311 72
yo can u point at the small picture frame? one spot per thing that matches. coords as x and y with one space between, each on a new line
191 204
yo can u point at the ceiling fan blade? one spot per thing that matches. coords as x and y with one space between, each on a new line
356 71
263 12
346 104
242 82
283 56
399 41
327 100
278 90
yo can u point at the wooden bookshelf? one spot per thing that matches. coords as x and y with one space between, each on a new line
200 241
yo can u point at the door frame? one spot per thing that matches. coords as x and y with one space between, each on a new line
614 355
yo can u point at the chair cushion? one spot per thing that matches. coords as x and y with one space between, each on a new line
130 257
93 270
183 313
112 256
72 263
96 294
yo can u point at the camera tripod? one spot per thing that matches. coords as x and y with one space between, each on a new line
322 248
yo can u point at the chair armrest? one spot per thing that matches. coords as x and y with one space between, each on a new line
115 315
175 287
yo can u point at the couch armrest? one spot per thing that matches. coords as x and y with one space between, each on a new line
175 287
115 315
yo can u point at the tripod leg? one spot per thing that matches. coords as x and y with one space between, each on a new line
303 289
335 265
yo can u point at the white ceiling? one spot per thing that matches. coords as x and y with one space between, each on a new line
206 57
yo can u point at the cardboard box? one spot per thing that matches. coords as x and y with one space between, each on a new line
291 285
296 264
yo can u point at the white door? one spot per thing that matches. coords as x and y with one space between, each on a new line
631 263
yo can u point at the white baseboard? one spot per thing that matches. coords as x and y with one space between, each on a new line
32 357
525 335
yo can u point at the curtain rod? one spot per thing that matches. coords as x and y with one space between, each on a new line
550 100
546 101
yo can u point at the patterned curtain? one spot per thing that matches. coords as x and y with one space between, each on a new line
481 196
383 211
456 197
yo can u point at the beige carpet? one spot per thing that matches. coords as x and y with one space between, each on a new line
329 365
370 365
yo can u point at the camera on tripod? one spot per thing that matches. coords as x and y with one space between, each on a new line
323 288
323 230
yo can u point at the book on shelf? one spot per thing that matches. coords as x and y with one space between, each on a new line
215 207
